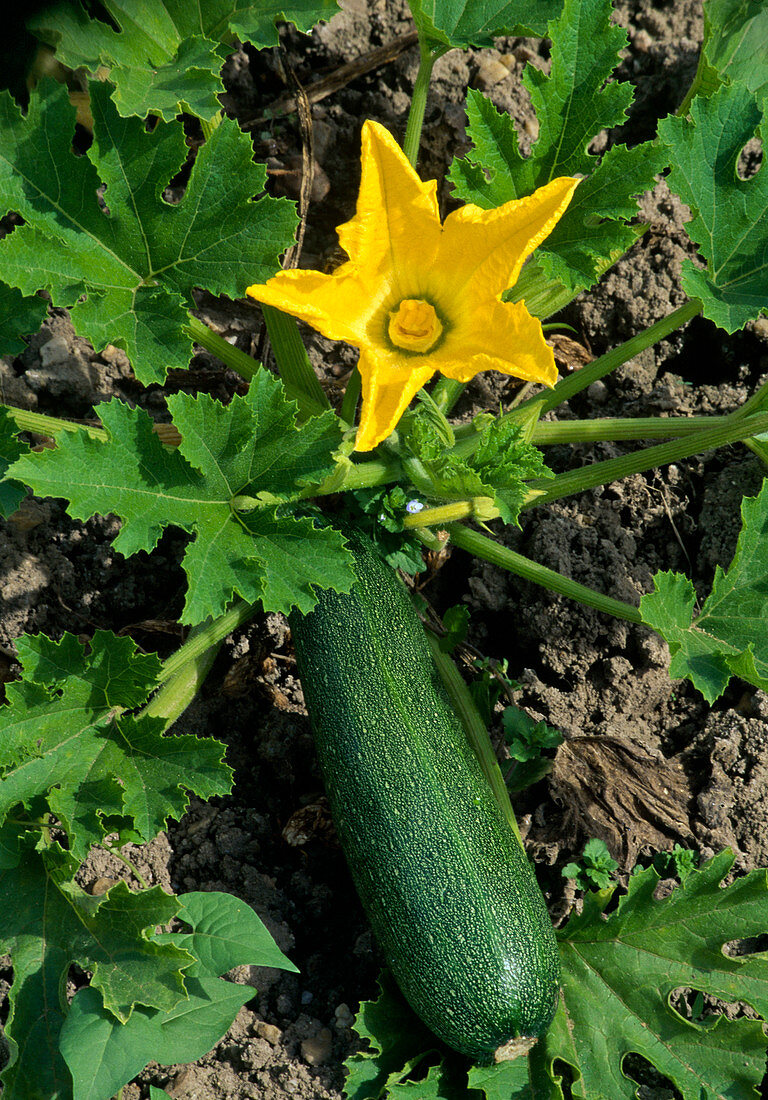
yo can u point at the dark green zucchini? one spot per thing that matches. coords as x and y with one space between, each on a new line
449 892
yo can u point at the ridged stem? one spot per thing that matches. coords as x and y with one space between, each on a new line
27 421
467 713
246 366
412 139
291 356
614 469
574 383
483 547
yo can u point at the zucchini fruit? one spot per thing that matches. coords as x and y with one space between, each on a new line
447 887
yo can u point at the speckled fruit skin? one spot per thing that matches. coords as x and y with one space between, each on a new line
449 892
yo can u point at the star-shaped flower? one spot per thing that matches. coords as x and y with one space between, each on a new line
418 295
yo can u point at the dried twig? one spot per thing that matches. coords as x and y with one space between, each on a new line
339 78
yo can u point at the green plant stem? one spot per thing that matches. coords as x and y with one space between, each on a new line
585 376
412 139
446 392
203 639
291 356
483 547
114 851
467 713
351 397
441 515
28 421
613 469
608 429
246 366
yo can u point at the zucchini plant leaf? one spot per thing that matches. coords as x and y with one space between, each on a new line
11 492
165 57
103 1054
621 974
729 636
735 46
573 104
463 23
18 316
397 1041
228 484
61 742
100 237
730 214
48 924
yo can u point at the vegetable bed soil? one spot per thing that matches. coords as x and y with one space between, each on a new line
645 764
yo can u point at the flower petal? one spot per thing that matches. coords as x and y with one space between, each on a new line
482 251
337 305
499 336
396 230
388 389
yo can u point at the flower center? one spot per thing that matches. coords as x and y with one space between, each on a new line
414 325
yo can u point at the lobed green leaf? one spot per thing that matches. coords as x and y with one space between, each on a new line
165 57
18 316
466 23
730 214
228 484
729 636
49 923
126 264
104 1054
573 104
735 46
62 743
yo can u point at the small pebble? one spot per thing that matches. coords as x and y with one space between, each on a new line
317 1050
55 350
269 1032
491 71
598 392
344 1017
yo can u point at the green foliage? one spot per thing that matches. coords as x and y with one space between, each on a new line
596 868
229 483
455 624
491 684
11 492
619 974
729 636
621 970
735 46
103 1054
18 316
730 214
679 863
465 23
384 510
49 923
67 746
527 741
397 1042
127 270
497 469
573 104
165 56
71 757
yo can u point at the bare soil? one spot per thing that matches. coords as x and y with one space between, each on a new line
646 763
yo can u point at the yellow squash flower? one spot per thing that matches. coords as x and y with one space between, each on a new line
418 296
